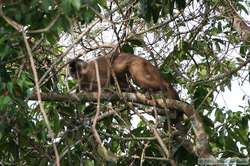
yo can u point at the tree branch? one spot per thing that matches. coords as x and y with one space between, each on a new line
201 147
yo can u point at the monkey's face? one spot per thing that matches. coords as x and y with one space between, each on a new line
78 68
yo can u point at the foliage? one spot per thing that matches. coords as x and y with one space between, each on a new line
191 42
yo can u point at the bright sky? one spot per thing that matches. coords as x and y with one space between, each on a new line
234 99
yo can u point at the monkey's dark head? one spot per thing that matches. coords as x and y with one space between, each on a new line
77 68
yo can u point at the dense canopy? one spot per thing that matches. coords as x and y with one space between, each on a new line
200 46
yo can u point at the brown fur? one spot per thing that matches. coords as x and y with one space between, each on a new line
85 73
143 73
146 76
139 69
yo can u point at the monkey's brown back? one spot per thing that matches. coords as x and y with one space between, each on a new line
143 73
121 63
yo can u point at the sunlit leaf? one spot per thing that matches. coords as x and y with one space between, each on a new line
76 4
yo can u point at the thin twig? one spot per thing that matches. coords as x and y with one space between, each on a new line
156 134
95 133
46 28
39 99
13 23
143 153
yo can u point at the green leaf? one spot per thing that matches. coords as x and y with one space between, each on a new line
46 4
181 4
127 48
230 144
244 128
203 73
208 124
4 49
168 31
136 42
4 101
145 10
43 162
217 46
76 4
87 15
64 23
155 13
10 88
56 121
220 27
102 3
242 7
115 146
243 50
199 94
67 8
89 162
219 116
2 129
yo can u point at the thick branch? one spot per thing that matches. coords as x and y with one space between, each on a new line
201 148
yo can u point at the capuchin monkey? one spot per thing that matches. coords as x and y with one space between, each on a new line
142 72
